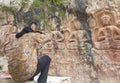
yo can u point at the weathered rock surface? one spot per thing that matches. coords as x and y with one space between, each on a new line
104 22
90 53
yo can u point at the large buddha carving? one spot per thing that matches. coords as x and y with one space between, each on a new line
107 32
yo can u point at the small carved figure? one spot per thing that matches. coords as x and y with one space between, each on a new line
66 33
56 35
77 36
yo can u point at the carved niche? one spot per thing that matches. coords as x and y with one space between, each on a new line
105 32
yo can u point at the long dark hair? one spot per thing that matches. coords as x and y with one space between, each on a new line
24 31
28 29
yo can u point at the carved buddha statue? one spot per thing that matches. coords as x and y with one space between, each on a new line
56 35
107 32
77 35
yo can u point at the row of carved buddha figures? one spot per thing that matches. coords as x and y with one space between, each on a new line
68 37
105 34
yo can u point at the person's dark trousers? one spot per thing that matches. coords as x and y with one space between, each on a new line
43 67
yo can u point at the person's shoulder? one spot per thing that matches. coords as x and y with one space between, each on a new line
28 35
36 35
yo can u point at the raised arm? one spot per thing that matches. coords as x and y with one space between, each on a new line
39 39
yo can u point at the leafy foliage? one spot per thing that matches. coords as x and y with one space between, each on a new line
48 9
42 9
24 3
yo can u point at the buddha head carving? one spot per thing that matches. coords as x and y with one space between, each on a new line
75 24
105 19
102 18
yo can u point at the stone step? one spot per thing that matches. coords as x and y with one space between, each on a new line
51 79
54 79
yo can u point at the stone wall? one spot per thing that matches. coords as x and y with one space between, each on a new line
88 46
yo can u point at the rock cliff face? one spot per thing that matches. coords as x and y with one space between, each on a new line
104 22
90 50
